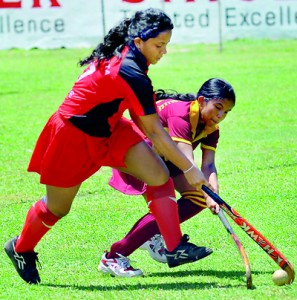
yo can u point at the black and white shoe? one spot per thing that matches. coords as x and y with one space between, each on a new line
185 253
24 263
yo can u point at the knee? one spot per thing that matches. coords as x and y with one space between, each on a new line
158 177
59 200
60 210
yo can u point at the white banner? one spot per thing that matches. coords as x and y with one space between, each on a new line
49 23
62 23
202 21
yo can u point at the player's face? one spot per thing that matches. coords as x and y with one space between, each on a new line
214 111
154 48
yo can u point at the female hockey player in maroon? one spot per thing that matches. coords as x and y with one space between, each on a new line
190 121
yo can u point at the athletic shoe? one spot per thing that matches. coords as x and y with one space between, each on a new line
119 267
185 253
156 248
24 263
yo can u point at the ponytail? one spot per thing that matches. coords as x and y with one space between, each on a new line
112 45
170 94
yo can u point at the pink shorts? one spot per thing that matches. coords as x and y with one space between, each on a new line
126 183
64 156
130 185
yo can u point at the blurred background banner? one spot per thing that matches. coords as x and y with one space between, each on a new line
49 24
60 23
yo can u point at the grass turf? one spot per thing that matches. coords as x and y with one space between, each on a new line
256 161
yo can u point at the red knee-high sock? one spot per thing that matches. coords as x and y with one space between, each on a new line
38 222
162 203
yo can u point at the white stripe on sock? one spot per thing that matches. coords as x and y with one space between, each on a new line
48 226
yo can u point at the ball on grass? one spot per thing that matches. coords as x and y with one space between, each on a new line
280 277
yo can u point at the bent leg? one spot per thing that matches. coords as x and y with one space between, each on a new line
189 205
43 215
144 164
146 227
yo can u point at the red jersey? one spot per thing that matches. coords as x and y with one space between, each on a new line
181 120
101 94
88 130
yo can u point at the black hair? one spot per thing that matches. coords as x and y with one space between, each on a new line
213 88
217 88
145 24
171 94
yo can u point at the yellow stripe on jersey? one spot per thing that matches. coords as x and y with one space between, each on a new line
208 147
196 197
194 116
202 135
176 139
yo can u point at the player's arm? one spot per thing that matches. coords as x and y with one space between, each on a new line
208 168
210 172
152 127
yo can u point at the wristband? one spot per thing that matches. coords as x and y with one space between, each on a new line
188 170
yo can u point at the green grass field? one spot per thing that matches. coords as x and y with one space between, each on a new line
256 161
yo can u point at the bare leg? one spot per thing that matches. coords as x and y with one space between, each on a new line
59 200
43 215
144 164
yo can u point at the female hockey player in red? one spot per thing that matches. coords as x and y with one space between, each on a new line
89 131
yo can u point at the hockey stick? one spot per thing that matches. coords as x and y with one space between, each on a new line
241 250
254 234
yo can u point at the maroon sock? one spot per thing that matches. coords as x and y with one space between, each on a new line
142 230
147 227
38 222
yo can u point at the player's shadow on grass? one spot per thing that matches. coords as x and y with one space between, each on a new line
216 273
122 284
130 286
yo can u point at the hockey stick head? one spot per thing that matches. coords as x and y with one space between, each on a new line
255 235
290 271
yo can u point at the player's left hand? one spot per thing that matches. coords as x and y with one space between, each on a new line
212 205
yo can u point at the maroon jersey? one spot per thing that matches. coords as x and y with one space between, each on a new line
66 155
181 119
101 94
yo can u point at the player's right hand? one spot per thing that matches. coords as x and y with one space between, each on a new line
196 178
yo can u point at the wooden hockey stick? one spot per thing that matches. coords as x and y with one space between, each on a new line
254 234
241 250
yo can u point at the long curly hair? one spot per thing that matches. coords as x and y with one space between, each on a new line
145 24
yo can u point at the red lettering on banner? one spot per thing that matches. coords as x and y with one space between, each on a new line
138 1
133 1
16 4
54 3
186 0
